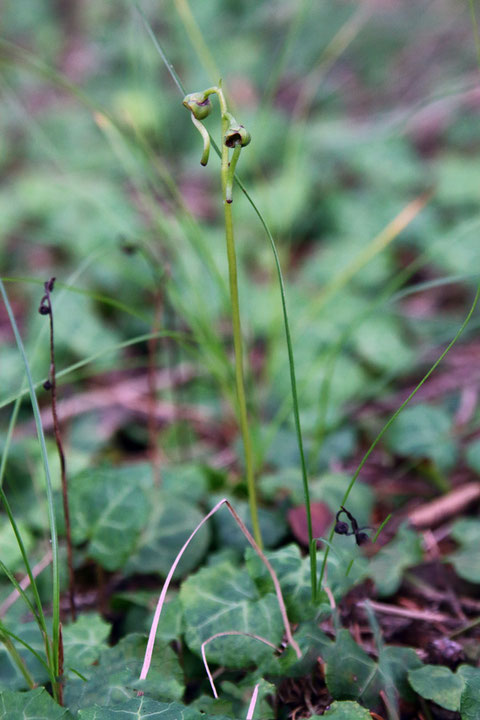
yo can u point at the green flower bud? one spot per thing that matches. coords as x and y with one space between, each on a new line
236 134
198 104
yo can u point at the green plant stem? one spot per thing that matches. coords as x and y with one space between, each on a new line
291 360
196 38
293 384
392 420
237 341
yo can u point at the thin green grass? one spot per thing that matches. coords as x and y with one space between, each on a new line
53 657
394 417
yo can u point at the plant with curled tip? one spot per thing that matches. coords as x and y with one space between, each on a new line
343 528
234 138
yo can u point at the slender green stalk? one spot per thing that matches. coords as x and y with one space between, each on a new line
54 659
38 613
293 384
387 519
234 136
392 420
291 360
238 344
196 38
26 645
21 592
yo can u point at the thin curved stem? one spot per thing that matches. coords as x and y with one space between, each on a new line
392 420
226 633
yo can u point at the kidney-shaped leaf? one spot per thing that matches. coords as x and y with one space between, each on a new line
438 683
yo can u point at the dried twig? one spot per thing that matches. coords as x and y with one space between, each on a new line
425 615
46 308
445 507
225 634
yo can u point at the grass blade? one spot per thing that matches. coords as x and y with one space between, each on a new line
51 513
394 417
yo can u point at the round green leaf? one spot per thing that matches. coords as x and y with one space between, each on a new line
423 431
438 683
345 710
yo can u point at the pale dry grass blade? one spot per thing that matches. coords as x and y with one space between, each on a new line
158 611
224 634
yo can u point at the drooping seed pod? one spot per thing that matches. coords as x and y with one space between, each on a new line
236 134
342 528
198 104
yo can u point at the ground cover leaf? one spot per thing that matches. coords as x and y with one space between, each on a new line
187 480
424 431
272 525
466 560
394 664
293 572
438 683
171 521
386 568
350 673
84 640
115 679
329 488
240 694
144 708
137 608
380 342
470 698
344 710
222 598
32 705
313 643
10 676
108 508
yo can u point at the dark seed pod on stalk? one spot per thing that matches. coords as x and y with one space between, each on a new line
236 134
